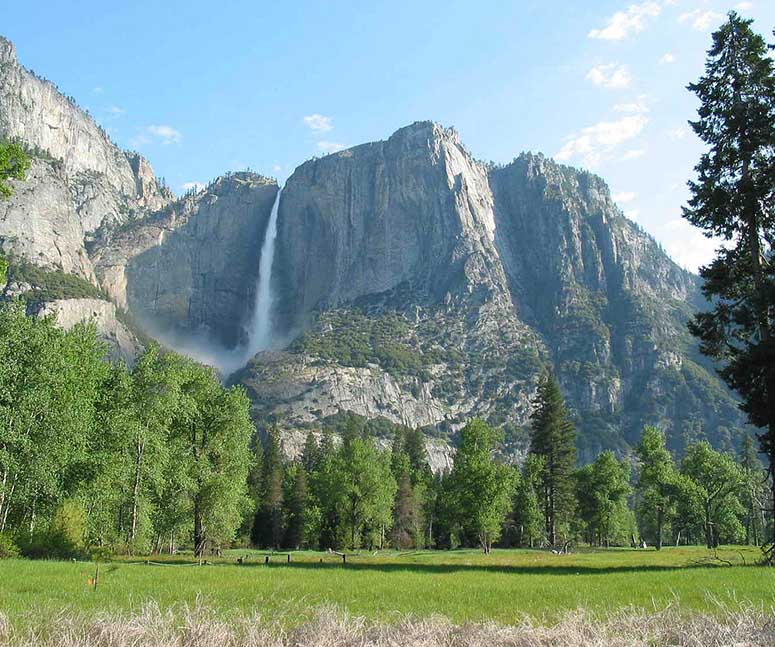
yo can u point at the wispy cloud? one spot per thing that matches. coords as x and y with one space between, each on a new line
167 134
744 6
632 154
161 134
319 123
612 75
639 106
330 147
667 58
632 214
630 21
700 19
600 141
687 245
97 90
115 111
624 196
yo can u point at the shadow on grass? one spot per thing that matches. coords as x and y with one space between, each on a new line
353 564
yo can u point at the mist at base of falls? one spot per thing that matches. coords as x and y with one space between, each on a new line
260 335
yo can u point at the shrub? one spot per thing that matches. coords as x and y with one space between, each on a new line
63 539
8 547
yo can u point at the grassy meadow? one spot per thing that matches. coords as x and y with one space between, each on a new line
508 586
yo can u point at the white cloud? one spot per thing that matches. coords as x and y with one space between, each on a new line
687 245
744 6
632 214
148 134
630 21
599 141
196 186
277 168
97 90
633 154
624 196
633 107
700 19
669 57
167 134
319 123
611 75
115 110
330 147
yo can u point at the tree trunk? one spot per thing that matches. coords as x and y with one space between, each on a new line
199 533
660 523
140 448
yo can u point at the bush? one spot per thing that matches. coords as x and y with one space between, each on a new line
63 539
8 547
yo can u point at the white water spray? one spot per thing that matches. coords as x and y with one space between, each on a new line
259 329
260 332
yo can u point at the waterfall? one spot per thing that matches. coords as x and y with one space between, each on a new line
260 332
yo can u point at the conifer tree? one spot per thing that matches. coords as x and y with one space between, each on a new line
734 198
553 437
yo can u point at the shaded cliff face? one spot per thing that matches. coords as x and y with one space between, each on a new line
191 268
429 288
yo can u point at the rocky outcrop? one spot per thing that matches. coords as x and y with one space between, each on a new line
68 312
191 268
39 222
80 182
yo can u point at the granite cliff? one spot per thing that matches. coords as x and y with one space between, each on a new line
412 284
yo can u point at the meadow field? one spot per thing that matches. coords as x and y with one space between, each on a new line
507 586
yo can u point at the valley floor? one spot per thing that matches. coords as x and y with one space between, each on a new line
508 586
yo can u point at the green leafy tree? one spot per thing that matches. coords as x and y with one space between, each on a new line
480 489
14 163
212 431
553 437
367 491
733 198
716 482
657 482
754 492
603 488
528 516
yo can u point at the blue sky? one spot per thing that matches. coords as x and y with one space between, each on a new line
202 88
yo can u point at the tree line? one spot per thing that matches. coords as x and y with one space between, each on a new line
350 494
96 456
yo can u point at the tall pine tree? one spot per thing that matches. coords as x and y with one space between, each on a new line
553 437
734 198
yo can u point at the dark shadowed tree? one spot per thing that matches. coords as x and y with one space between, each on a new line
553 437
733 198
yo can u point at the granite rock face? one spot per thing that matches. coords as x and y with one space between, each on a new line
191 268
79 182
68 312
411 282
471 279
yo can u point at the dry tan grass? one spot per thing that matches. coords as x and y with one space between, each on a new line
329 627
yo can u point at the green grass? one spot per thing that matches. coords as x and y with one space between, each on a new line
462 585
